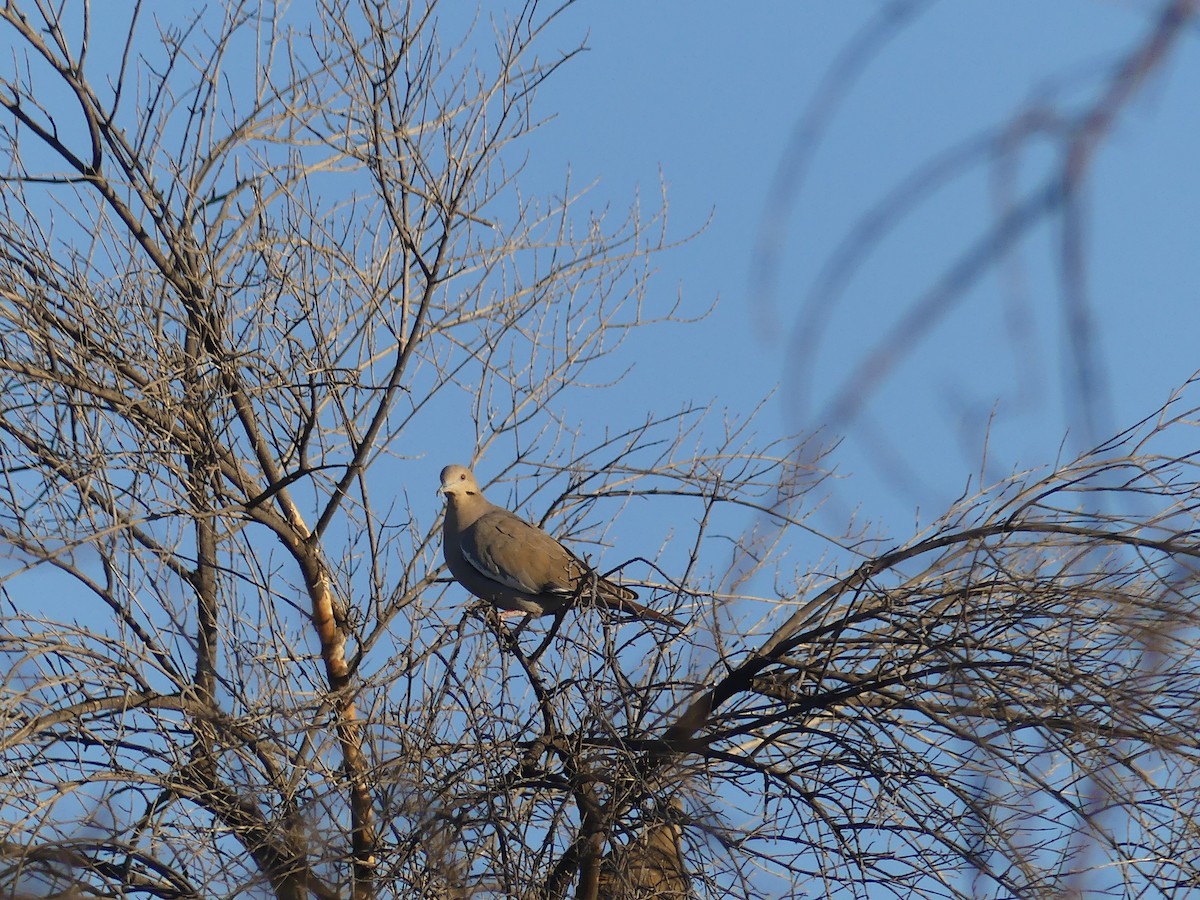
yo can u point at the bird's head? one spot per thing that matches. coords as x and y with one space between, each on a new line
458 481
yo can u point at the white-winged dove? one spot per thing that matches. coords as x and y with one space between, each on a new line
501 558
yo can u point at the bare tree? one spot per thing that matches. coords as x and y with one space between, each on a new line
237 300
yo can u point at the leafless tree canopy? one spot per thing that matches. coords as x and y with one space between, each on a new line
254 261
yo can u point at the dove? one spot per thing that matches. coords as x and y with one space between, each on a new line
516 566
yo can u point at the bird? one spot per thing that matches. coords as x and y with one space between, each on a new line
516 566
650 866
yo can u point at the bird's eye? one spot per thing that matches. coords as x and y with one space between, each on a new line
462 477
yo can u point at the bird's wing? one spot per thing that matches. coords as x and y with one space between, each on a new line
520 556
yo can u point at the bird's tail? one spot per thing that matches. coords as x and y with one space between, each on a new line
622 599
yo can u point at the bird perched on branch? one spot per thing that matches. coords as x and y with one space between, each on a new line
516 566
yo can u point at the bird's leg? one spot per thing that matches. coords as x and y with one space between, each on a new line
502 615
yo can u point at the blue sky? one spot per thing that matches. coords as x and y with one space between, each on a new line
709 99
